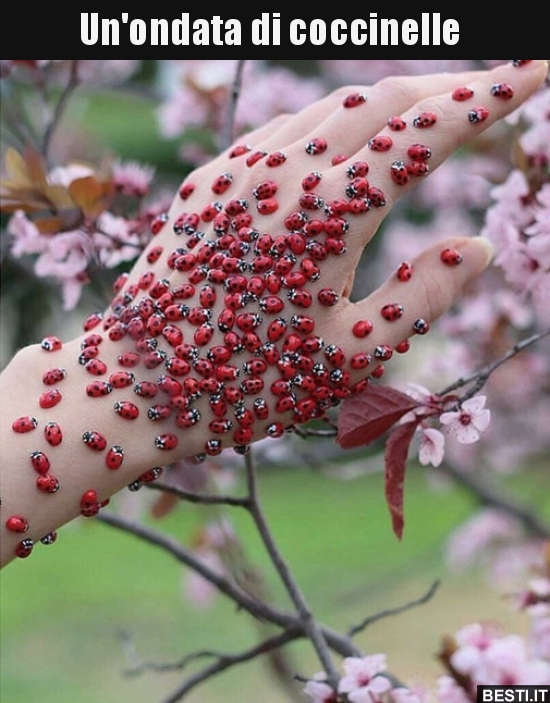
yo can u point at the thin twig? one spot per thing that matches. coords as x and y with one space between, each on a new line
59 108
480 378
201 498
310 625
394 611
488 496
225 661
228 133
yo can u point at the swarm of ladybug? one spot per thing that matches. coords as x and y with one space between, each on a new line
251 290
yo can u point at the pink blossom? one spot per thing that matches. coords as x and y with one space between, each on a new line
448 691
432 446
26 237
407 695
469 421
319 692
65 175
361 681
131 178
115 240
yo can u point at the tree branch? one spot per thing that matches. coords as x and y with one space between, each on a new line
394 611
60 107
200 498
228 134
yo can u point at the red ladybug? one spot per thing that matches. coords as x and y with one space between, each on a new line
265 189
338 159
92 321
335 355
405 272
478 114
252 386
255 156
301 298
48 539
146 389
312 345
421 326
234 396
98 389
267 206
53 434
354 100
51 344
397 124
425 120
47 483
188 418
302 324
517 63
186 190
203 334
158 223
417 168
114 457
236 206
260 409
451 257
502 90
362 328
24 548
159 412
24 424
336 227
358 168
310 181
126 410
276 158
40 462
399 173
328 297
154 254
462 93
377 197
316 146
271 305
50 398
419 152
17 523
310 201
94 440
213 447
392 312
122 379
360 360
220 426
382 142
166 442
403 347
243 435
222 183
383 352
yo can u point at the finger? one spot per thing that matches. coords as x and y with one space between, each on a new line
452 122
430 291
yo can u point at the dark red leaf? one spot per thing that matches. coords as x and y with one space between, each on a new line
397 449
366 416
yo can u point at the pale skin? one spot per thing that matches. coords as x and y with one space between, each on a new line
430 292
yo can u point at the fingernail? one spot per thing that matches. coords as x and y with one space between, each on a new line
488 248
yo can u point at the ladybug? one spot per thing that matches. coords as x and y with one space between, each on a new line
517 63
462 93
397 123
203 367
301 298
98 389
399 173
362 328
236 206
285 403
213 447
336 227
183 291
295 221
145 280
146 345
154 359
234 396
360 386
334 246
310 269
316 146
392 312
260 409
338 159
177 367
403 347
226 320
173 335
255 156
358 168
40 462
302 324
377 197
203 334
221 223
222 183
92 321
48 539
404 272
176 313
252 386
146 389
117 332
255 367
267 206
382 142
478 114
89 503
292 343
158 223
126 410
360 361
209 212
284 264
310 201
137 328
122 379
243 435
53 434
17 523
311 345
51 344
383 352
354 100
451 257
27 423
334 355
276 158
357 206
328 297
188 418
502 90
166 442
357 186
425 120
310 181
243 219
218 406
92 340
47 483
198 274
154 254
114 457
94 440
419 152
220 426
24 548
417 168
270 353
159 412
275 430
186 190
219 354
271 305
239 150
421 326
248 321
265 189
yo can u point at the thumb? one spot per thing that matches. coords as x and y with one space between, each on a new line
406 303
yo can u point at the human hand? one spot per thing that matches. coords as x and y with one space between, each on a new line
214 340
